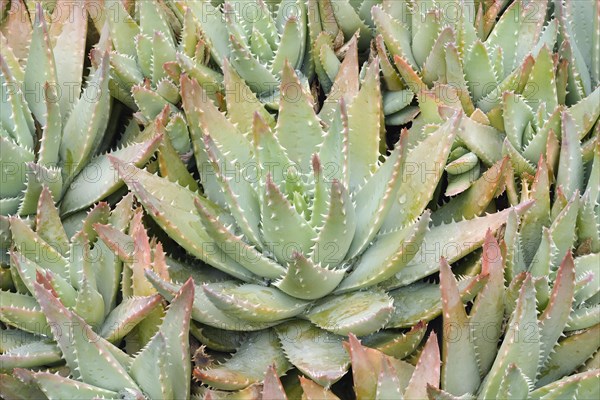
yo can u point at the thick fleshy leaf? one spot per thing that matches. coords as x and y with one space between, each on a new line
31 245
12 173
475 200
375 198
360 313
458 349
255 303
538 216
298 128
368 366
570 167
41 67
542 79
236 248
175 351
427 370
272 387
240 197
563 228
151 370
58 387
96 361
242 102
556 315
259 351
317 353
421 301
423 169
398 345
365 114
583 385
203 310
22 312
272 158
284 230
68 30
301 274
479 72
569 354
84 129
487 314
166 206
27 271
346 84
387 256
584 267
515 349
312 391
122 319
30 355
453 241
339 224
514 384
98 179
48 224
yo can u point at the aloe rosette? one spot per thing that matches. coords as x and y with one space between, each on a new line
329 208
197 38
99 369
454 55
253 39
82 319
319 239
257 38
537 357
84 274
53 126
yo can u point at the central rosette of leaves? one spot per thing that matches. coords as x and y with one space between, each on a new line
309 217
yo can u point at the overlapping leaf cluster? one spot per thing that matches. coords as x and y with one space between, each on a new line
330 182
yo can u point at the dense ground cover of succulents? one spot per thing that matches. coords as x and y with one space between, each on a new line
376 199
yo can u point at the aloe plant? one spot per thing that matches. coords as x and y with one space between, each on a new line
532 360
99 294
100 369
357 180
51 127
84 274
376 376
199 38
540 355
297 223
511 90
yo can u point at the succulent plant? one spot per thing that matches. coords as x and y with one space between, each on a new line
540 354
257 38
98 369
85 276
357 182
532 360
329 208
146 70
513 92
51 128
376 376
